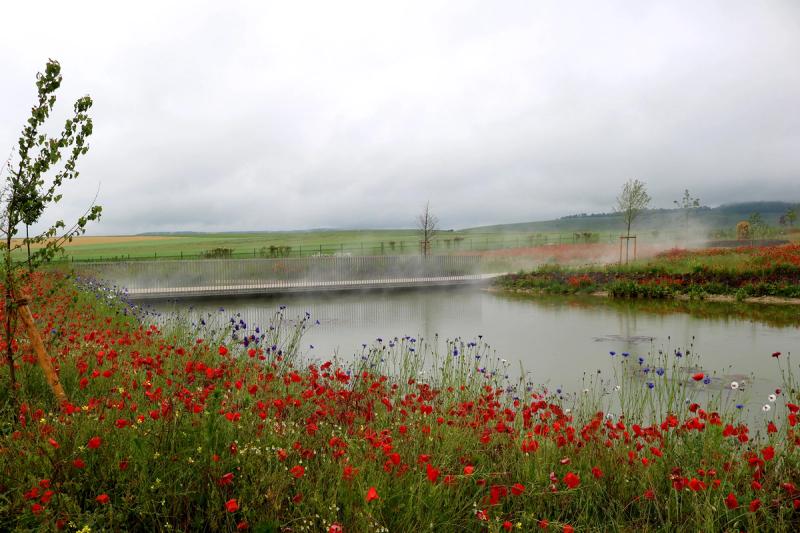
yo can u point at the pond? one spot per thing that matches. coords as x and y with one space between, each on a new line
556 339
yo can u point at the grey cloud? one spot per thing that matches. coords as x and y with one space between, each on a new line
316 114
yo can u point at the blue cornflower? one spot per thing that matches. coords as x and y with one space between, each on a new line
650 385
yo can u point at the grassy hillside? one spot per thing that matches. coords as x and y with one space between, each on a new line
709 218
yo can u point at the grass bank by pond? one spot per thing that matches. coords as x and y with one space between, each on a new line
739 273
220 426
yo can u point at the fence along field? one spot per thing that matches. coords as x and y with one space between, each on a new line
303 244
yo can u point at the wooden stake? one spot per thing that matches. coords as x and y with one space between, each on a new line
41 353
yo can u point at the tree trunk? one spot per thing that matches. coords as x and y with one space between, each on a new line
9 310
627 240
28 244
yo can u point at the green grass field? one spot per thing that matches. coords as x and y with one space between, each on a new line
294 244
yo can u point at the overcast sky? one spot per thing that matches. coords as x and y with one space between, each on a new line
293 115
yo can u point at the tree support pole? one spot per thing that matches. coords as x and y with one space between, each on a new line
41 354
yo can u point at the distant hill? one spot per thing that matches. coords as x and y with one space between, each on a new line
723 217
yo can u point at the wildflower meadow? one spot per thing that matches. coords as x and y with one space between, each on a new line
174 424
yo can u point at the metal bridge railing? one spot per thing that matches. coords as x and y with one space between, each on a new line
233 274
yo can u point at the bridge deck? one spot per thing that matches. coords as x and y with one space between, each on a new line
234 288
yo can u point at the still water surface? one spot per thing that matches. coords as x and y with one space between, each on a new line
556 339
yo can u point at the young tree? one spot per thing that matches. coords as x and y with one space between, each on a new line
630 203
757 226
687 203
32 182
791 216
427 224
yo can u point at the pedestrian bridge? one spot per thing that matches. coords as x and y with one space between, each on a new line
173 279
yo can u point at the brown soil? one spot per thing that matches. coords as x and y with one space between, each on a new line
115 239
110 239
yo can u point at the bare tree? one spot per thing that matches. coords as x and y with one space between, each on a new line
427 224
687 203
630 203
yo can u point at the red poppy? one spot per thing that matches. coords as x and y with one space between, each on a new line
348 472
776 354
53 443
78 463
731 502
596 472
517 489
232 505
102 499
297 471
698 377
655 451
94 443
696 485
569 529
572 480
468 470
754 505
768 453
507 525
432 473
335 528
372 494
223 351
